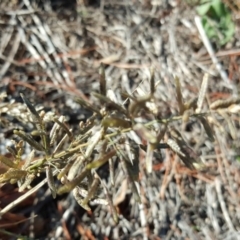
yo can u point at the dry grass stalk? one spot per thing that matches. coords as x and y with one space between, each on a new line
202 93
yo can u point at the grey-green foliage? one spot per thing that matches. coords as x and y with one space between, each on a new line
102 139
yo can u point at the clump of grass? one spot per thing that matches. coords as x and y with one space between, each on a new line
74 159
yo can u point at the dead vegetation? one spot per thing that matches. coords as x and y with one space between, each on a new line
131 107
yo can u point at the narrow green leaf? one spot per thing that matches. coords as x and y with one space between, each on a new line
221 104
72 184
28 180
152 81
79 199
31 108
115 122
99 162
207 128
137 105
28 138
102 80
92 191
12 174
50 181
64 127
108 101
8 162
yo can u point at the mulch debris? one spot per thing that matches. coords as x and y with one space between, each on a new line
52 50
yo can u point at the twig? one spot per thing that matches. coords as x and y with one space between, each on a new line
45 34
142 214
211 207
11 55
223 205
169 173
23 197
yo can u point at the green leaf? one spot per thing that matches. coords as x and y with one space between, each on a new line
218 8
204 8
217 21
